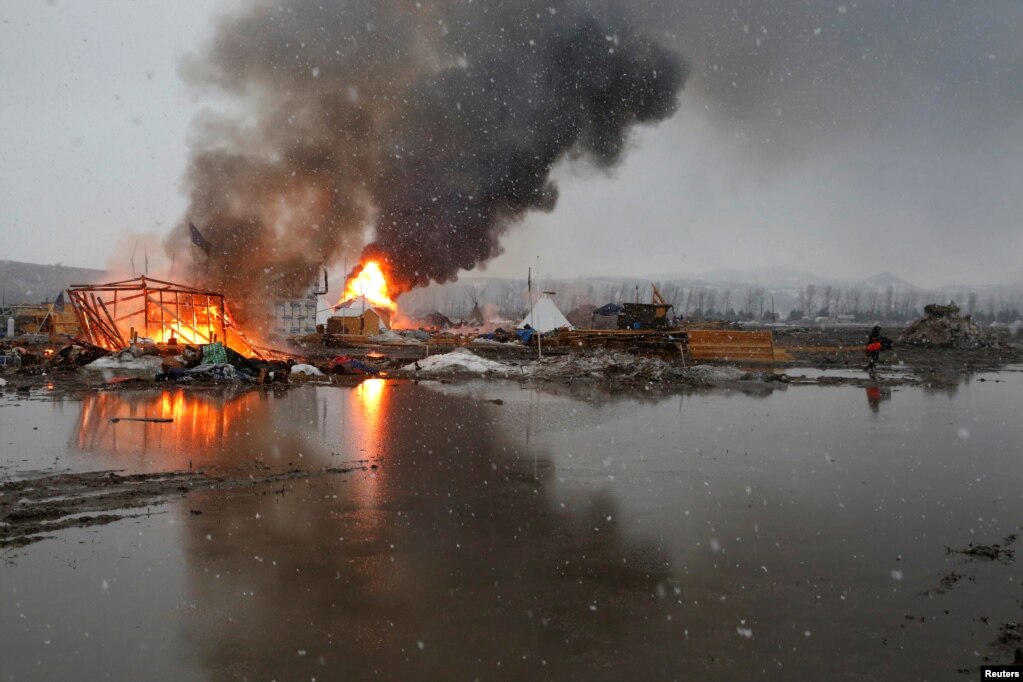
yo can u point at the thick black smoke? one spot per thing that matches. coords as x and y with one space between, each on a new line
479 140
435 125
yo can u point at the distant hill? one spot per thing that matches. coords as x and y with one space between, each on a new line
885 280
777 278
34 283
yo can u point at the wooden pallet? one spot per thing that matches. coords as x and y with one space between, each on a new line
733 346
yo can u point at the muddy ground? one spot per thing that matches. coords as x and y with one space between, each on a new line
34 507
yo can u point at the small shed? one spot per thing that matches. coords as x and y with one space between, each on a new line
357 316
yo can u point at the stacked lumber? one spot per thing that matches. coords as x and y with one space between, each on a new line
733 345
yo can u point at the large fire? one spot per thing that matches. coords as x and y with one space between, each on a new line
112 315
369 281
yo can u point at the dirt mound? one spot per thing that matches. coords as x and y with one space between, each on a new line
628 368
942 326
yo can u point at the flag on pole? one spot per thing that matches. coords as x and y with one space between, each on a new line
199 240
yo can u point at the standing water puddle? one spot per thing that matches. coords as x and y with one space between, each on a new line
522 533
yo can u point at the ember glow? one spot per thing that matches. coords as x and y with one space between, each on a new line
199 327
368 280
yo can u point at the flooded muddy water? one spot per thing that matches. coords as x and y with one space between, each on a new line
495 531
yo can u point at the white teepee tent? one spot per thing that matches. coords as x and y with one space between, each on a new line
545 316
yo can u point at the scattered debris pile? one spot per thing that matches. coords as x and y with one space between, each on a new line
75 355
942 326
628 368
994 552
345 364
605 364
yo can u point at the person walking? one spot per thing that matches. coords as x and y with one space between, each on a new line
876 342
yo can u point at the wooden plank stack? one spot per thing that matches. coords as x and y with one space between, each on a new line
733 346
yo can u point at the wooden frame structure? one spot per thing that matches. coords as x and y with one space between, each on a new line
111 314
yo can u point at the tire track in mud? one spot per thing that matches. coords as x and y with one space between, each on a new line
32 509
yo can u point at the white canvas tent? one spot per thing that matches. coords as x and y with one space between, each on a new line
545 316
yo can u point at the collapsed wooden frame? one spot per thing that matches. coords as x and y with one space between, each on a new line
111 315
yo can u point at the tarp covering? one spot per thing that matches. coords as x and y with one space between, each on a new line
608 309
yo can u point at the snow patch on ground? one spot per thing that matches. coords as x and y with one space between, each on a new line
390 336
127 363
308 370
715 374
460 360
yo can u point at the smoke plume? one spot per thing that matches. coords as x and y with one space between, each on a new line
436 127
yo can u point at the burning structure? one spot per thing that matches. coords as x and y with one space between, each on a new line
366 307
115 314
357 316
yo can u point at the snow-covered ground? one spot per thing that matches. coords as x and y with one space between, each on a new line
393 337
460 360
127 363
307 370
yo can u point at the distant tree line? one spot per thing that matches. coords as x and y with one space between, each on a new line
701 300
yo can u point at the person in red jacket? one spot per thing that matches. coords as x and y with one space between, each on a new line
875 344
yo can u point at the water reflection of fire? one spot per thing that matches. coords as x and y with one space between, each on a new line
370 394
202 423
367 429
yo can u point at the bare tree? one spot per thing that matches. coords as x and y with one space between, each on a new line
809 297
826 308
712 297
853 301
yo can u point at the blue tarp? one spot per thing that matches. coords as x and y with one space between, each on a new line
525 335
609 309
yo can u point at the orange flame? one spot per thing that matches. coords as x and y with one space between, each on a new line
371 283
199 324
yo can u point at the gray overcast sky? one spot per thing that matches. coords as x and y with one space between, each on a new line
839 138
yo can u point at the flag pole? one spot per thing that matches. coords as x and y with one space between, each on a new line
343 293
539 336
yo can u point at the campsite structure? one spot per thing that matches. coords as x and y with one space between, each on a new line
545 316
357 317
